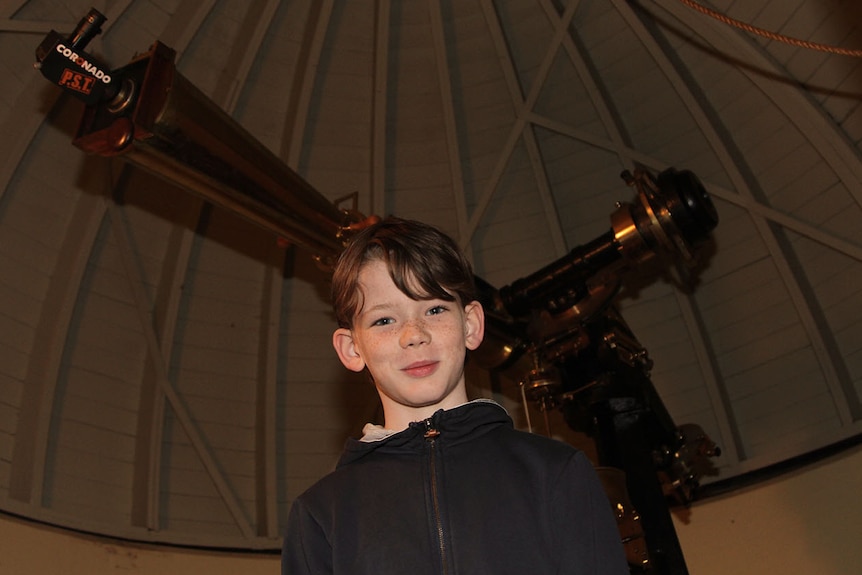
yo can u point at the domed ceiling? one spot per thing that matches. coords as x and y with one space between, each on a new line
166 371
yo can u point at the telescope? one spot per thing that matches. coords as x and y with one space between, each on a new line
152 117
585 359
672 213
671 216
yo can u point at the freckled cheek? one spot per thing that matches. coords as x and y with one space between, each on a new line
447 340
377 347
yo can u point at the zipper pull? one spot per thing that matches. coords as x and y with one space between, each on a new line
430 431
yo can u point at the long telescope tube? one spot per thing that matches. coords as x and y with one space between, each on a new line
160 122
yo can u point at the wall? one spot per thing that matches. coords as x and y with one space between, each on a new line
802 523
31 549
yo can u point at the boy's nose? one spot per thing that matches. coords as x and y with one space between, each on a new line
414 333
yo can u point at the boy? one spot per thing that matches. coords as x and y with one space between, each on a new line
445 485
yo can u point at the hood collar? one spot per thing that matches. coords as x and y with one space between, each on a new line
455 425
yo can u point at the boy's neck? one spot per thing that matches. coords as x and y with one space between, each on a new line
399 417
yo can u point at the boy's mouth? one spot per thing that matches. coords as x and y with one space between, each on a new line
421 368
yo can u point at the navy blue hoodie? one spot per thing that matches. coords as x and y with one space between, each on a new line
461 493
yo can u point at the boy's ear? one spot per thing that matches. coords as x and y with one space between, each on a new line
474 324
345 347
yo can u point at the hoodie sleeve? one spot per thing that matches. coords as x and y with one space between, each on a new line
306 549
589 539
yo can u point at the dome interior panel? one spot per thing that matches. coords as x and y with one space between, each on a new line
566 99
128 37
527 31
18 322
90 469
10 402
516 199
585 184
802 196
186 492
343 91
184 359
202 61
843 220
274 73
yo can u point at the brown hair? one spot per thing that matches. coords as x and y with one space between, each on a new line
423 262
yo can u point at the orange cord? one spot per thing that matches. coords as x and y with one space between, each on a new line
771 35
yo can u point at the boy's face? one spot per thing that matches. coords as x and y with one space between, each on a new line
413 349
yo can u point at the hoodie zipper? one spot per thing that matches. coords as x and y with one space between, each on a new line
431 434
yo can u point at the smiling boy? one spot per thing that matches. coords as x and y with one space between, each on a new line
445 485
413 348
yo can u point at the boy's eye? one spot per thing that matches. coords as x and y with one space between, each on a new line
436 310
383 321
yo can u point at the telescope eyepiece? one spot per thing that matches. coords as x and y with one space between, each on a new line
88 28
